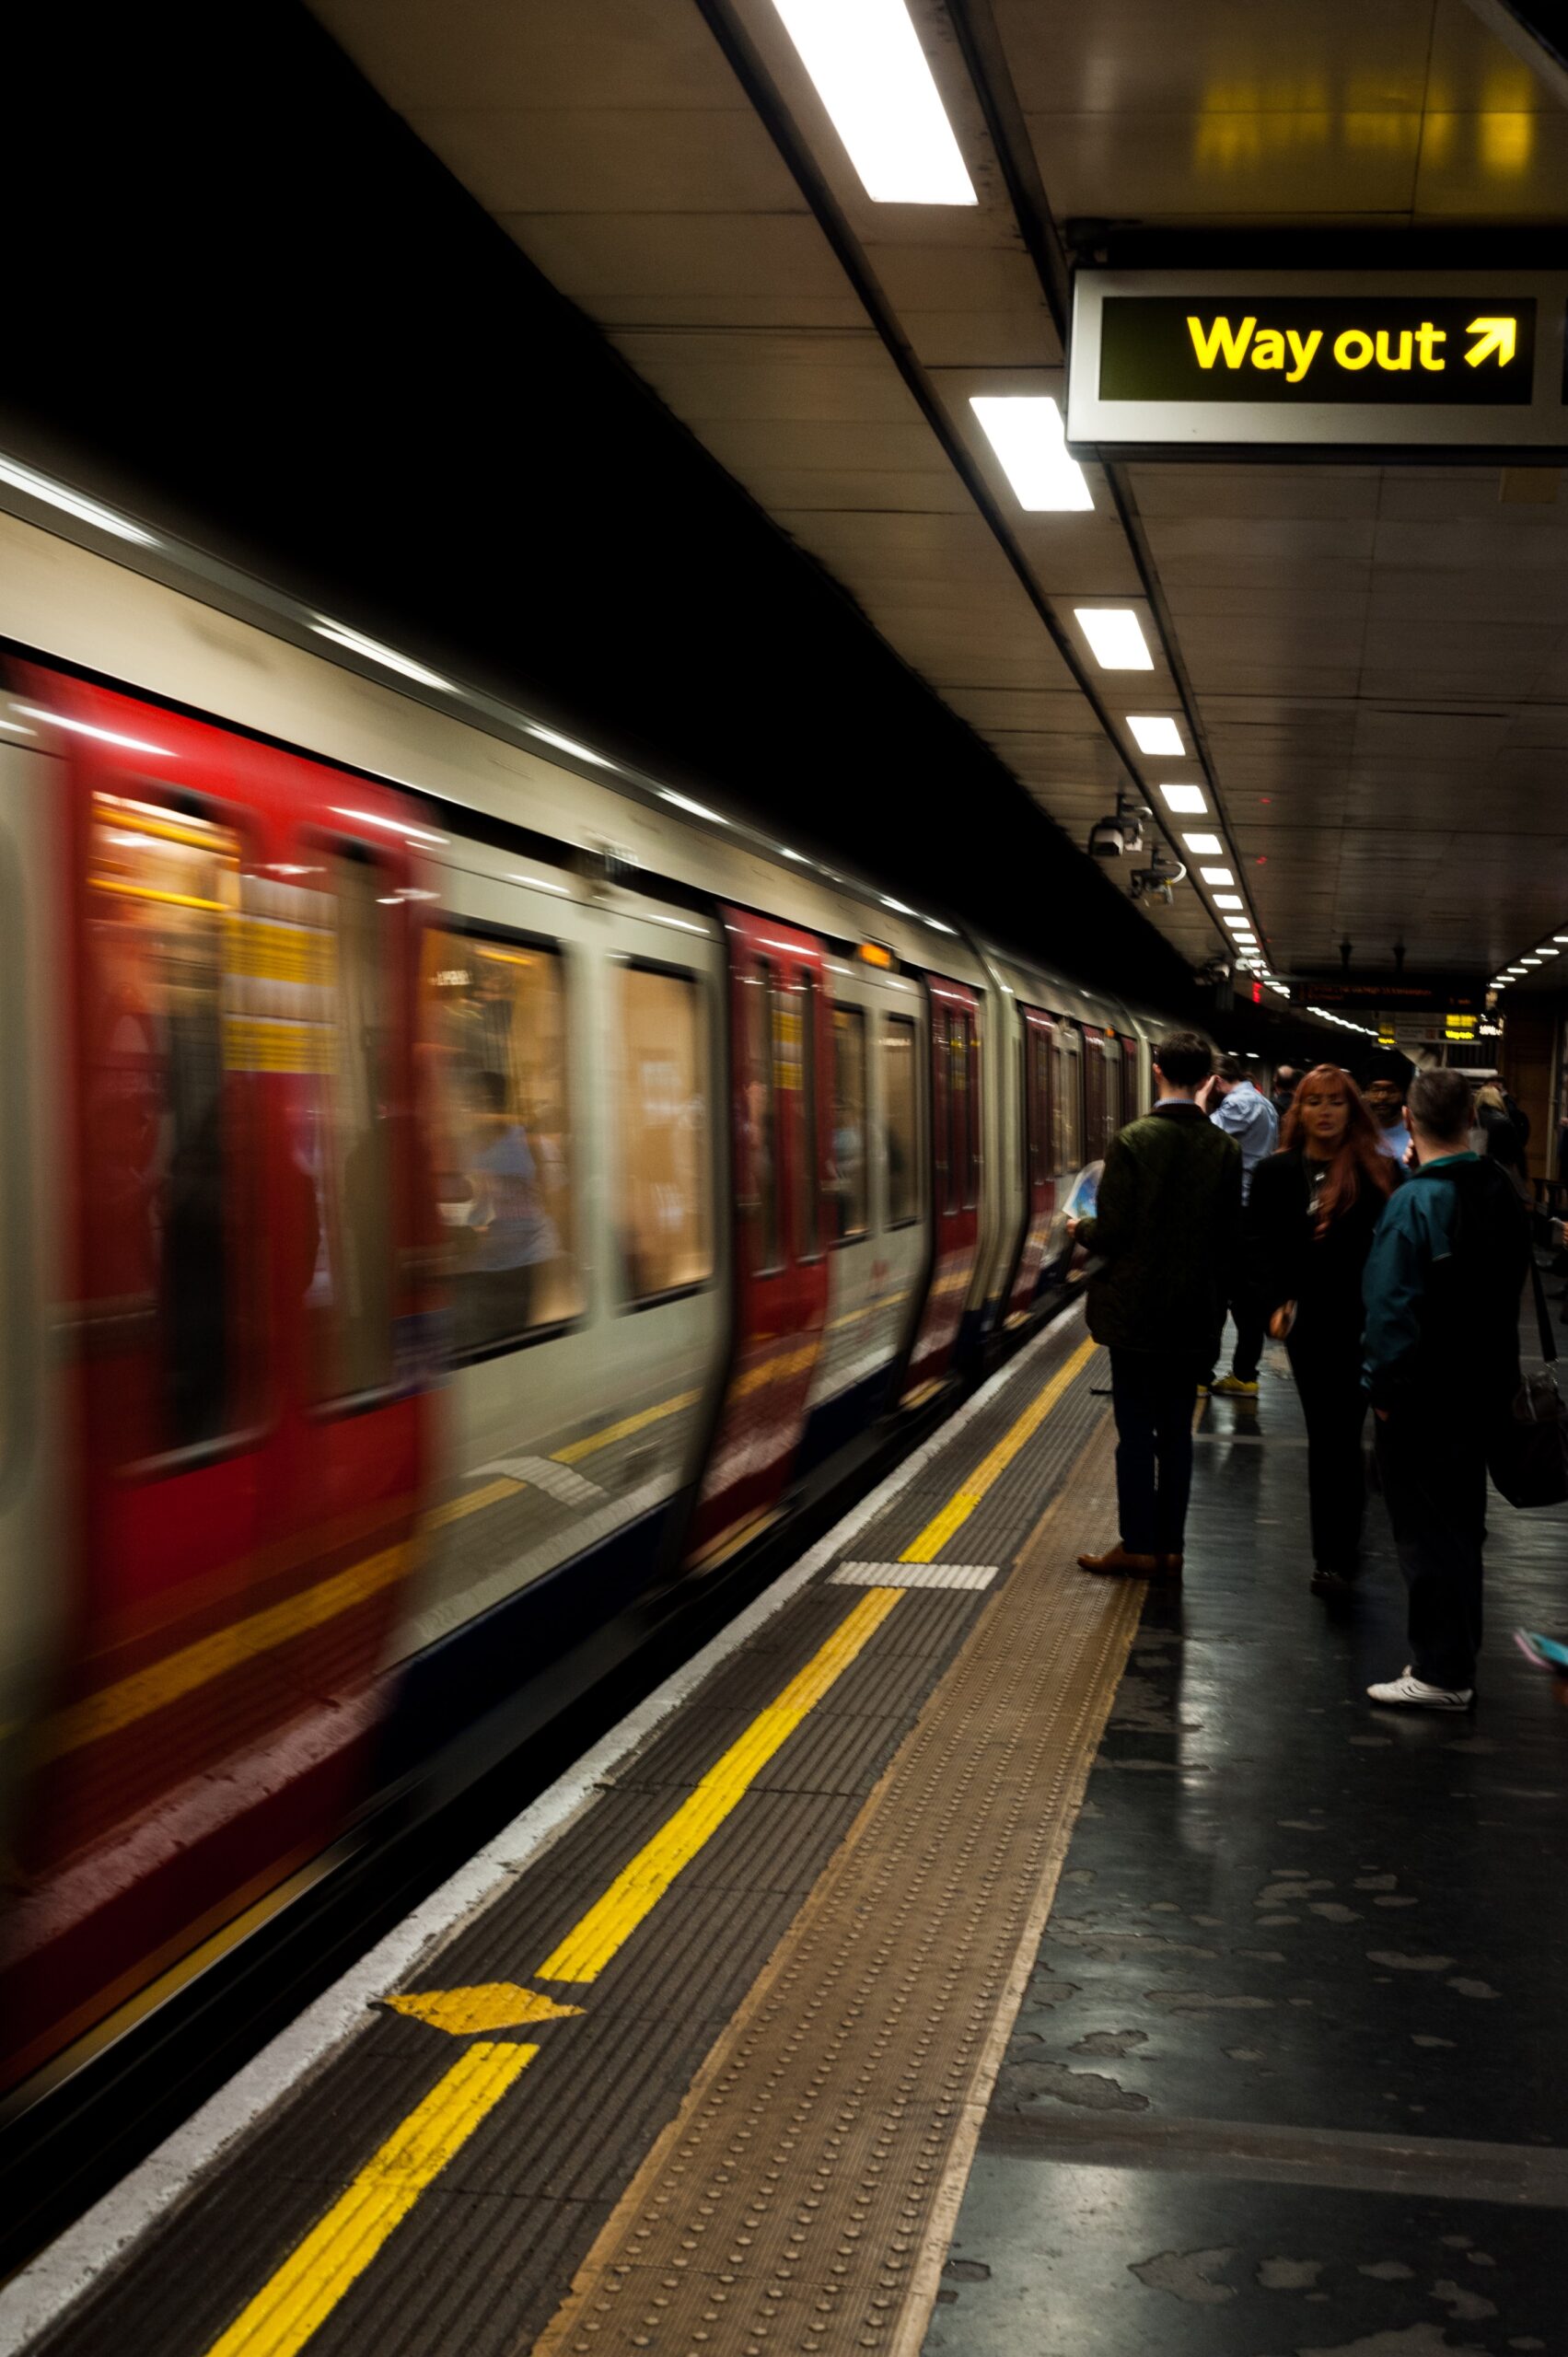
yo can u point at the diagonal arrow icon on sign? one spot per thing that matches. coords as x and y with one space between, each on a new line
1499 336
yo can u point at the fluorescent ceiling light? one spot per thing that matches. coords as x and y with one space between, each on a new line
1201 846
1238 925
568 745
786 853
1115 636
1216 875
937 927
1544 952
871 74
374 652
1187 801
1560 937
71 502
1152 734
684 802
1229 901
1025 431
1529 962
900 908
86 728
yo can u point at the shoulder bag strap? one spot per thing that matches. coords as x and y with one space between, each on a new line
1547 1344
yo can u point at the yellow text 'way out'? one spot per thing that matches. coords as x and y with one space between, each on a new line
1221 340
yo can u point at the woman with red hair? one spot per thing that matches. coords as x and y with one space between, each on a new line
1314 1206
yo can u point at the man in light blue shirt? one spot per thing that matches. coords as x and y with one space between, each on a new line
1235 1106
1384 1093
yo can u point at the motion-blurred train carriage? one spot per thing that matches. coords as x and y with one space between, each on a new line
423 1240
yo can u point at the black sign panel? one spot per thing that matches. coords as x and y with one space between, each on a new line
1434 352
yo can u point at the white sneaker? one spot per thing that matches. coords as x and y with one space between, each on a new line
1414 1693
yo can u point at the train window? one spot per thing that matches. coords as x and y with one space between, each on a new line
495 1021
901 1097
665 1175
166 1208
967 1073
1068 1106
808 1192
849 1122
948 1032
348 1138
759 1114
1036 1099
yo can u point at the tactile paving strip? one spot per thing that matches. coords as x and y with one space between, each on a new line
800 2200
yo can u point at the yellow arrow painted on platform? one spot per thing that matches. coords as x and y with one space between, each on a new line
494 2004
1496 335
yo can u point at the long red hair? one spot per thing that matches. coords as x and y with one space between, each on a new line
1359 1162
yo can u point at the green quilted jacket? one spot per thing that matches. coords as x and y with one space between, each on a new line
1168 1230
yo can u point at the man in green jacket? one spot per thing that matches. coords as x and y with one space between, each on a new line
1167 1231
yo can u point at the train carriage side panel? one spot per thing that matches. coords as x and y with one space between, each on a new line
250 1447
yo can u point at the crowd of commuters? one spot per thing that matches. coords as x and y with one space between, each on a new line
1383 1239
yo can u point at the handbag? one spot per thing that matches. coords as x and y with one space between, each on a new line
1528 1455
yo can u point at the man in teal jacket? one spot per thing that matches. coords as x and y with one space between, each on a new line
1166 1232
1442 1288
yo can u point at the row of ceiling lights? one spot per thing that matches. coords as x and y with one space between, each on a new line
1522 966
866 64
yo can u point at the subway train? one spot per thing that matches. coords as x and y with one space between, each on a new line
449 1197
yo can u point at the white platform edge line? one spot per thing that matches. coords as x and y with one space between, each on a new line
37 2297
967 1575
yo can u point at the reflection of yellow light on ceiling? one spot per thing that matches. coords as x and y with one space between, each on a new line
1510 89
1376 133
1437 140
1508 143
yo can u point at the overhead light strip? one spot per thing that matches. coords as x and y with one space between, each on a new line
872 75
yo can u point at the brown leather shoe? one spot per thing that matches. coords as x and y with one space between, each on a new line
1118 1564
1170 1567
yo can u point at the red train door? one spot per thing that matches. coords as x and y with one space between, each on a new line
1039 1183
955 1163
780 1138
238 1559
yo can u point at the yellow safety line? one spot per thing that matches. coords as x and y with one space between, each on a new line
298 2299
454 1508
628 1424
305 2289
928 1547
114 1707
610 1922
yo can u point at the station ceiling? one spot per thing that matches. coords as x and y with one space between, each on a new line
1368 665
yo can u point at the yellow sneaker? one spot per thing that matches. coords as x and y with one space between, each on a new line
1233 1387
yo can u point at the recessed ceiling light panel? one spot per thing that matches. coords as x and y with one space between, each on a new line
1025 431
1115 637
1187 801
1153 733
872 75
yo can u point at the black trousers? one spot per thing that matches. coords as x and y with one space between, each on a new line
1433 1478
1153 1398
1247 1356
1327 1381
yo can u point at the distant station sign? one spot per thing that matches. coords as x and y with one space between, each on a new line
1391 995
1246 364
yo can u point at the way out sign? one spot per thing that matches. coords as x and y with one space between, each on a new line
1162 365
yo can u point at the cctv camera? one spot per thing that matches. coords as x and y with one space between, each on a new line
1108 839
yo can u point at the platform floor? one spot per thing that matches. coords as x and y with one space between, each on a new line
1290 2074
824 2019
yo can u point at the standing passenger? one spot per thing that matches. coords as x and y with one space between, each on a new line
1167 1233
1388 1078
1234 1105
1314 1207
1442 1284
1287 1078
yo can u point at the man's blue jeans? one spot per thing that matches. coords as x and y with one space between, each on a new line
1153 1397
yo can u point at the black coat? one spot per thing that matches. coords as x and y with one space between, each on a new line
1321 1274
